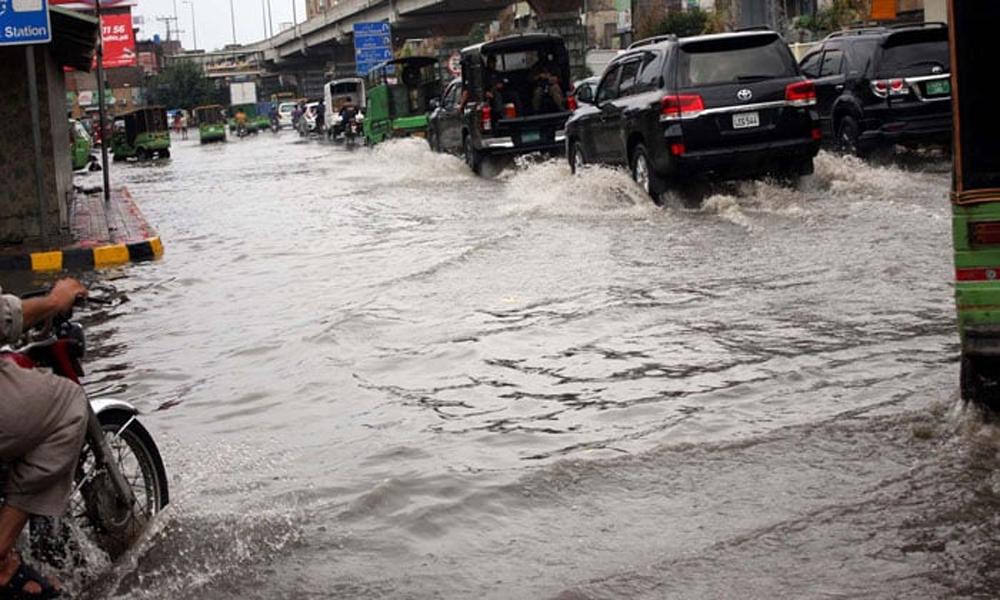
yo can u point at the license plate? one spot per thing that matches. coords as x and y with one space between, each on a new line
938 88
746 120
529 137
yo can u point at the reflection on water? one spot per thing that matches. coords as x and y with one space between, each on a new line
379 376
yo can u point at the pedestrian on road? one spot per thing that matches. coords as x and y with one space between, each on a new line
43 419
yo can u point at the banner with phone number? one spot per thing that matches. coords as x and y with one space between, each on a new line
119 40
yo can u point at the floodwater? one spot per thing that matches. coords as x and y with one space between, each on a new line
374 375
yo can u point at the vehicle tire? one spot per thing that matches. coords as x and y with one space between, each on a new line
644 174
53 541
978 386
472 156
164 153
142 154
575 157
848 132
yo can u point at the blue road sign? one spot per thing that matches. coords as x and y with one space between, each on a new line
372 45
24 22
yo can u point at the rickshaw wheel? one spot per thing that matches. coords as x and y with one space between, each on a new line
980 383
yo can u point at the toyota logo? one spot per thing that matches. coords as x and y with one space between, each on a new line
937 70
744 95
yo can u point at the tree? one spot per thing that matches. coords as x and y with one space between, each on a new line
183 85
682 23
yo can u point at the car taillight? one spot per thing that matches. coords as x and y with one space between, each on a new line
883 88
486 118
985 234
571 103
817 134
677 149
510 111
681 106
801 93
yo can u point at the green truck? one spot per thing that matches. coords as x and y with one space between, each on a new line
141 134
399 98
211 123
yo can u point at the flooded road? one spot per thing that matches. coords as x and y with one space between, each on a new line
377 376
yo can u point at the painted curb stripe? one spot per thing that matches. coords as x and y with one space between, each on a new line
84 258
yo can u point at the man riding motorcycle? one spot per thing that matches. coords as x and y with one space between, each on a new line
43 420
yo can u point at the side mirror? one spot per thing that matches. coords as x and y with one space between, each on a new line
435 104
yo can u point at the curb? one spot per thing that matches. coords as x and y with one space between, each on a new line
85 258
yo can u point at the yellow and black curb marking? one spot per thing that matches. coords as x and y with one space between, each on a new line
79 259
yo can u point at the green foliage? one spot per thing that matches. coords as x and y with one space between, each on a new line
690 22
184 85
838 15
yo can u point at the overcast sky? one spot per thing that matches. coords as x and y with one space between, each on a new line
213 24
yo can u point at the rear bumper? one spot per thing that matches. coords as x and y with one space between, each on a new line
931 129
508 145
742 161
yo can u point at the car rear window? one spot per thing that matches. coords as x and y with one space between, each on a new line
734 60
914 53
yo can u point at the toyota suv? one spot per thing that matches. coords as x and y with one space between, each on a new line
878 87
722 106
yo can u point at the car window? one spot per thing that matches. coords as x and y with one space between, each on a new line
908 53
608 90
630 75
833 63
734 59
652 72
451 96
810 65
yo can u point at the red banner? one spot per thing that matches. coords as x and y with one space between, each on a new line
119 39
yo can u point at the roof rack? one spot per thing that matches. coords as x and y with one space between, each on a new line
866 30
753 28
670 37
927 25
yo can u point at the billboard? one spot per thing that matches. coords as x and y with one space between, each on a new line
119 39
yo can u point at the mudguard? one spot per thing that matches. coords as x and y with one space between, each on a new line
105 404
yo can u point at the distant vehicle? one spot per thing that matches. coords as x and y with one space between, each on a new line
285 110
444 125
80 145
142 134
585 90
728 106
335 94
517 98
879 86
250 110
400 93
307 124
211 123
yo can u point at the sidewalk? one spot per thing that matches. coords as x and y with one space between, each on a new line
104 236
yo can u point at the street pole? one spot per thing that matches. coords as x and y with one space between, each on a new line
270 21
232 18
295 17
36 133
194 28
102 116
263 15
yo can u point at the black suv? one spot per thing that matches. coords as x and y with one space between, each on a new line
513 98
726 106
883 86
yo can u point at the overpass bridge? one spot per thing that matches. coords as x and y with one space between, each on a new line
325 42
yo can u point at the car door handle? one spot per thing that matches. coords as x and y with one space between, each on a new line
839 87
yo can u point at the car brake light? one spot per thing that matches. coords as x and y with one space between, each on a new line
883 88
985 234
801 93
681 106
571 103
677 149
510 111
817 134
486 118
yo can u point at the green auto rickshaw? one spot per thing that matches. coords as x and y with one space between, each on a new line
399 97
211 123
251 124
80 145
142 133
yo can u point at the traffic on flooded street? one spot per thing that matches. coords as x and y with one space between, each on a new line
712 317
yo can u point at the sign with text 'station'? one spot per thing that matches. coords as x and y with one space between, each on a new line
24 22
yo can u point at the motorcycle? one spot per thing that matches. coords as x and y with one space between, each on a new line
120 478
352 129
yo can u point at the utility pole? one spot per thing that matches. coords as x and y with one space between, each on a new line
270 21
232 19
101 110
194 29
263 15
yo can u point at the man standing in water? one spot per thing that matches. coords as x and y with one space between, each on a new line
43 419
